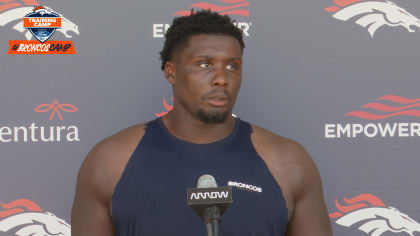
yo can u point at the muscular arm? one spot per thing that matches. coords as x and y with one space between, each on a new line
297 175
90 213
96 181
310 216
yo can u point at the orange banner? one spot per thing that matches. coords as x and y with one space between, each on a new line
35 47
42 22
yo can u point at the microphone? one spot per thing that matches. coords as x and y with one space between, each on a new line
209 202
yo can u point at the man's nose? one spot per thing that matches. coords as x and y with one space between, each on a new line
220 77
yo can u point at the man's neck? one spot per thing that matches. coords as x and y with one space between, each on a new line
193 130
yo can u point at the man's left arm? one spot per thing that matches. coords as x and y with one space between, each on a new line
310 215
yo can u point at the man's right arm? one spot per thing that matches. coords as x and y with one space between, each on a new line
90 213
96 181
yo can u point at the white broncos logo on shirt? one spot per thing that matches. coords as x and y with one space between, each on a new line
374 14
370 215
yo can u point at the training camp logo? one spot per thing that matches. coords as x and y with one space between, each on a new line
36 22
369 214
233 8
373 14
24 217
385 107
41 133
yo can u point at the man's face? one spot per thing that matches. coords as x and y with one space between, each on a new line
207 76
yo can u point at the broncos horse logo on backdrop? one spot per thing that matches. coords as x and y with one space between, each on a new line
13 11
373 14
23 217
370 215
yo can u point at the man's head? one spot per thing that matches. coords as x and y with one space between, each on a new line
202 59
202 22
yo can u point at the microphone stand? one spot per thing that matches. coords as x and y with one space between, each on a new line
209 202
212 219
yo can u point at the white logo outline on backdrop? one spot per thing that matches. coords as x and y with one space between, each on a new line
374 14
36 223
378 220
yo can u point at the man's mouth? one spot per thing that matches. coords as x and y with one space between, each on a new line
218 100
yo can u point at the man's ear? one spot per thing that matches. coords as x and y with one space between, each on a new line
170 72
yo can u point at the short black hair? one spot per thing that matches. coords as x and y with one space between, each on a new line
201 22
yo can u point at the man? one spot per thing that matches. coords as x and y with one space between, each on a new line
134 182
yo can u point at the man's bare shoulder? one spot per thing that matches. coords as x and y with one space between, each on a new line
297 175
96 181
118 146
281 150
288 162
106 161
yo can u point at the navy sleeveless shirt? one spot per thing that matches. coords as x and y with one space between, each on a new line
150 198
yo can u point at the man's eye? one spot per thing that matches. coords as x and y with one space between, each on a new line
231 67
204 65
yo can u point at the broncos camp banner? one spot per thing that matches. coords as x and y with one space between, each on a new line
338 76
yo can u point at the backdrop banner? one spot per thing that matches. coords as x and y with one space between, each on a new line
341 77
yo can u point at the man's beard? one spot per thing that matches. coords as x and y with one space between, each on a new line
213 117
